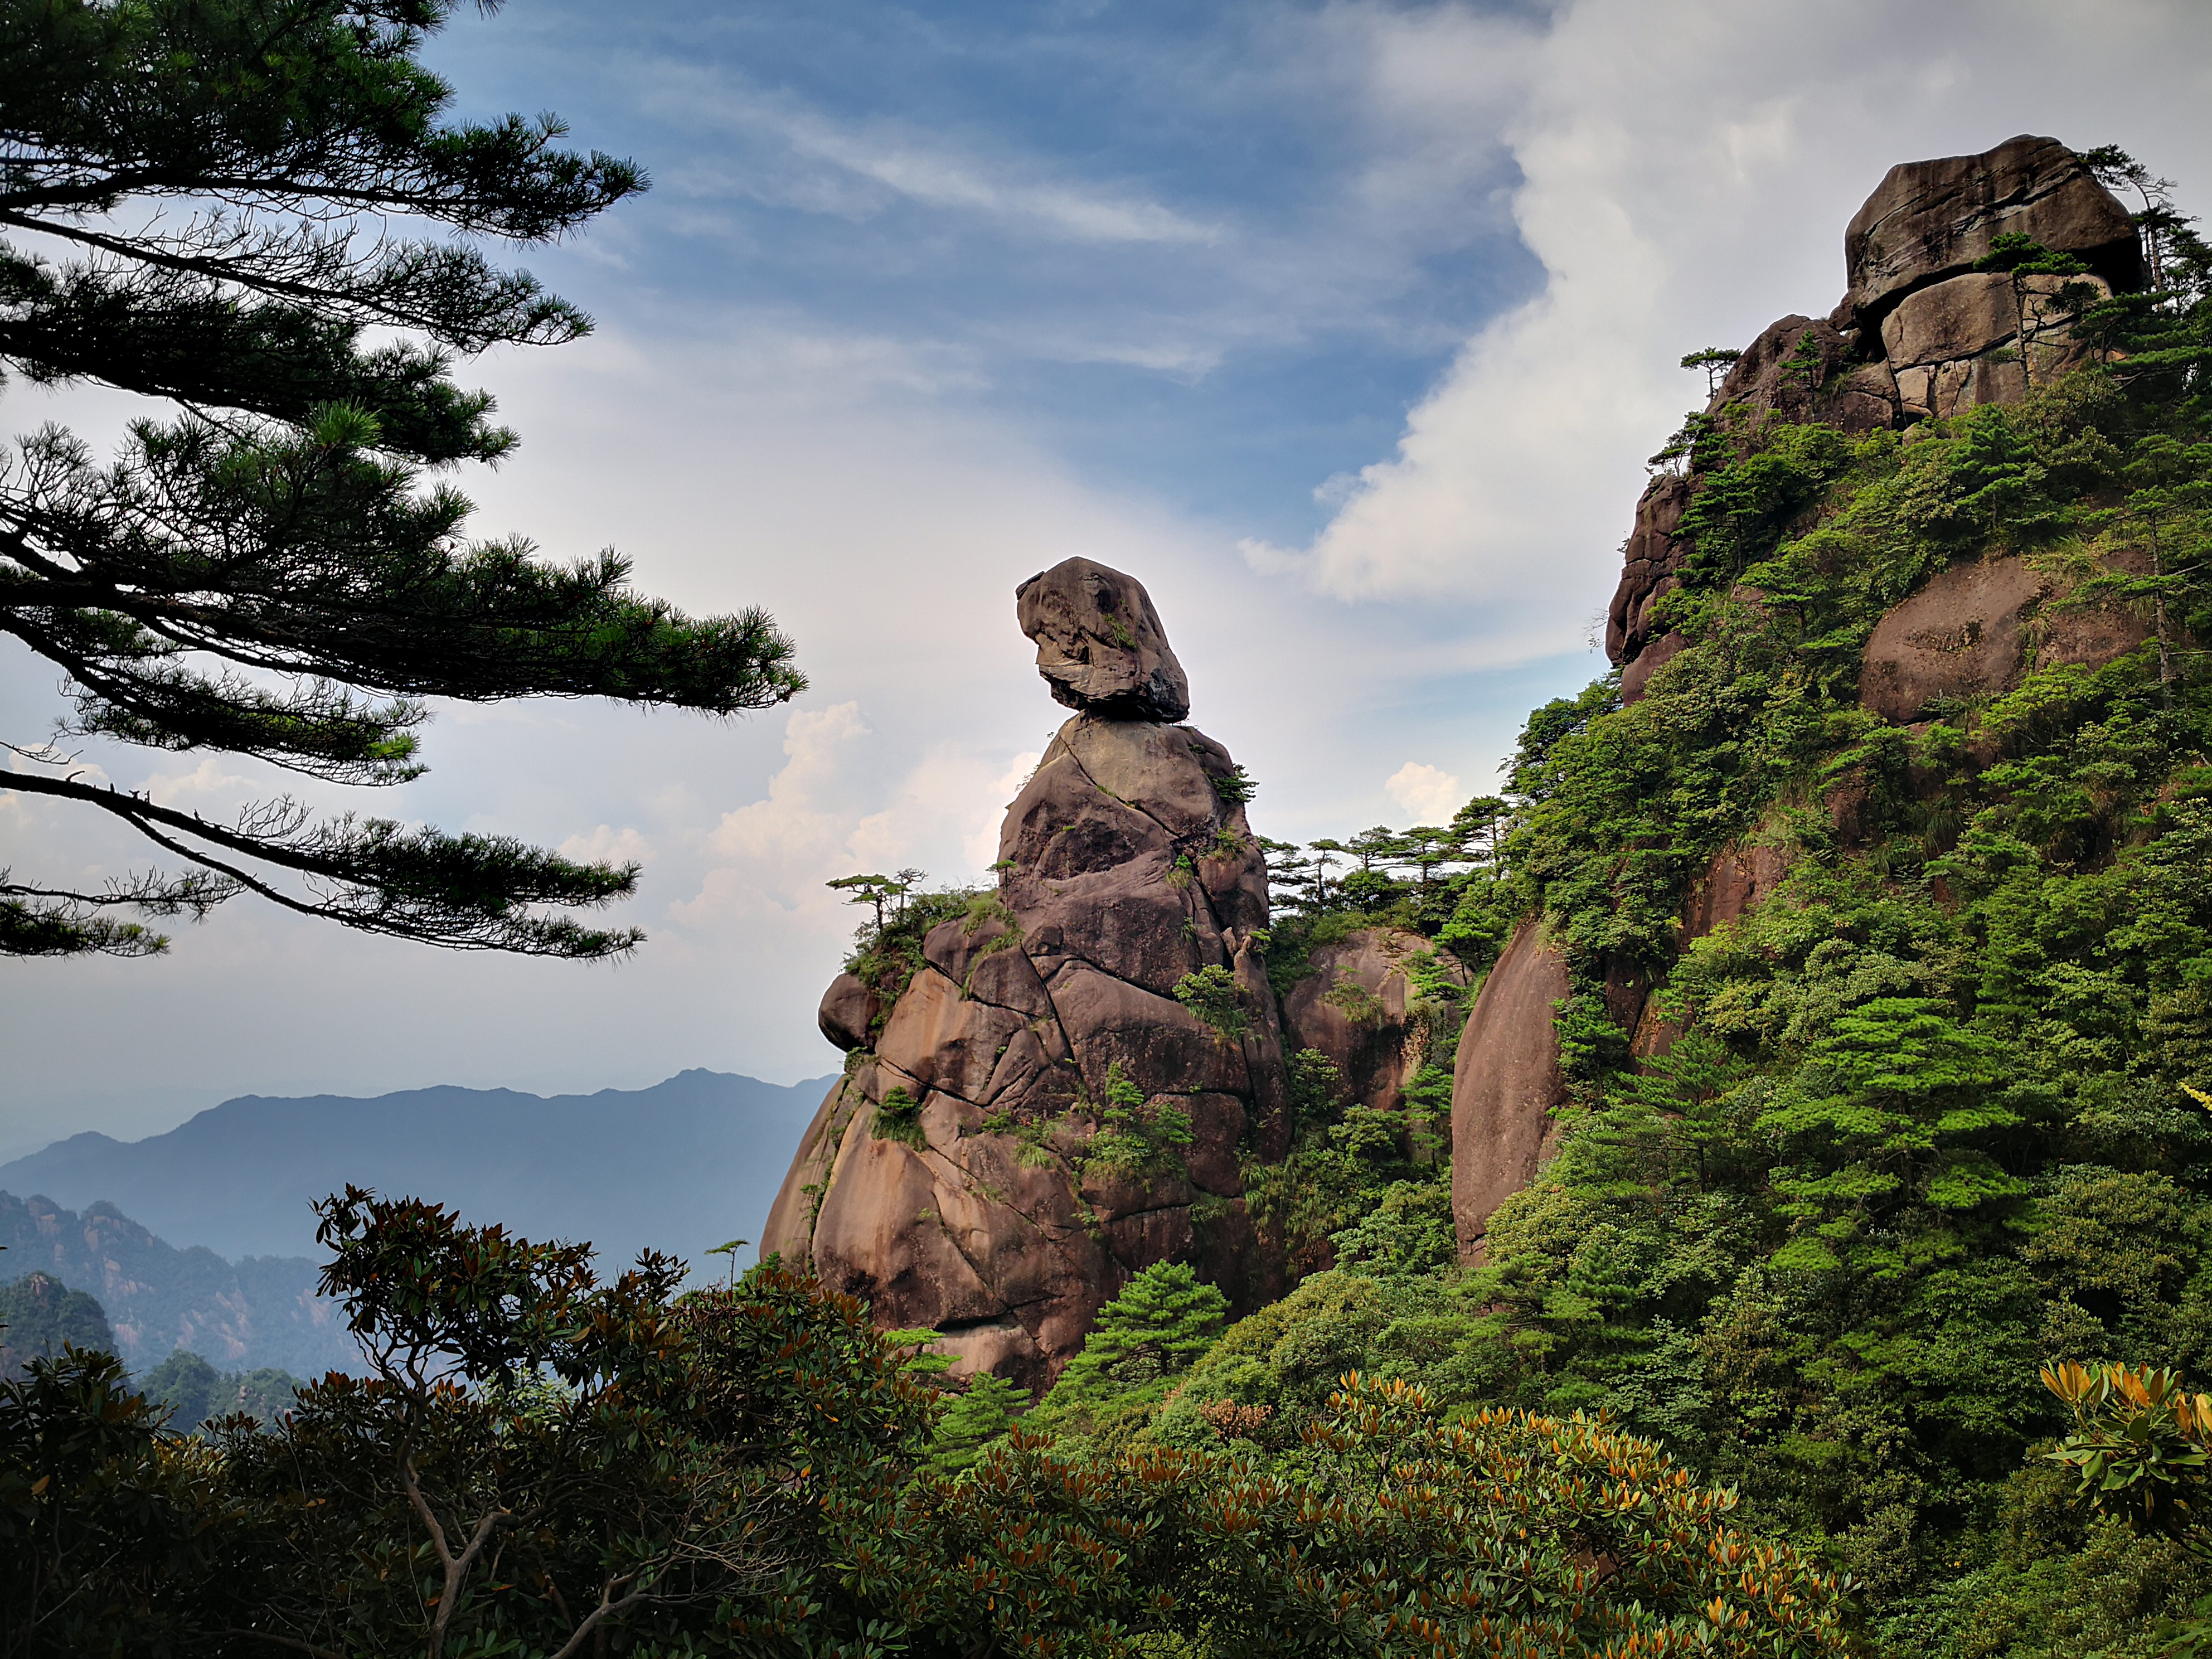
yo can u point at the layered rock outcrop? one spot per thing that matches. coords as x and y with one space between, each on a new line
1920 334
1002 1152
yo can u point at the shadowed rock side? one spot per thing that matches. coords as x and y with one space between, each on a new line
985 1210
1358 1004
1919 335
1506 1083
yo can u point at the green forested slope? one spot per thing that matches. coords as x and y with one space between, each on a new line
1928 1119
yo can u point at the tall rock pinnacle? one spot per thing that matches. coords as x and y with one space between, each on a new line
1031 1114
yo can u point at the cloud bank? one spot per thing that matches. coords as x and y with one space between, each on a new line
1687 172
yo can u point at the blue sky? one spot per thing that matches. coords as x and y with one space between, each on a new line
1162 237
1345 327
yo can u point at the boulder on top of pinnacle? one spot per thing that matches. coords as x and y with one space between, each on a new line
1052 1085
1100 644
1928 221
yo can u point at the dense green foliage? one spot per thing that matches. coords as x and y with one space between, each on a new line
1352 1159
196 1394
207 186
545 1464
887 945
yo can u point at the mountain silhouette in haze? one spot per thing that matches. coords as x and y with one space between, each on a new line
679 1167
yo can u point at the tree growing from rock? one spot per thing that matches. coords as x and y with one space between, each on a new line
273 567
1163 1319
1715 360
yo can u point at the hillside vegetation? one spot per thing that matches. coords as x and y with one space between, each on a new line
1928 1116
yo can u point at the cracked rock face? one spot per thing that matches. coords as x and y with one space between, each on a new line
1127 867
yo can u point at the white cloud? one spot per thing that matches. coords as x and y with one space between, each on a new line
898 162
777 850
1687 172
607 845
1429 793
208 778
981 845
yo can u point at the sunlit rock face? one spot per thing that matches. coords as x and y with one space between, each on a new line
957 1177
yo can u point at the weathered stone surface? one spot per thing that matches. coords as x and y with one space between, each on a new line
1216 1124
1928 221
1100 644
790 1225
848 1006
1959 636
944 1040
1737 878
1648 662
1111 1023
1962 317
1795 368
1649 556
1355 1005
1506 1082
878 1238
1135 917
1009 979
1128 870
1974 630
1958 343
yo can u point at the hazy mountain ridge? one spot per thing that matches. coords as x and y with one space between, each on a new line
261 1310
680 1166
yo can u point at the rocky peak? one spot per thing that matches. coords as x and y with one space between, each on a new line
1928 222
1919 335
1047 1094
1100 644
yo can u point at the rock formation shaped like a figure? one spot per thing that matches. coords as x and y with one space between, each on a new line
1920 334
1034 1115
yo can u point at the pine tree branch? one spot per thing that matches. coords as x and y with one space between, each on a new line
458 892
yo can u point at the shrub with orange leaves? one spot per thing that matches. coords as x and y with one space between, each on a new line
1232 1421
1506 1534
2141 1444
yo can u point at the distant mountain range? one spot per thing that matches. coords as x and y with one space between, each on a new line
680 1167
158 1299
